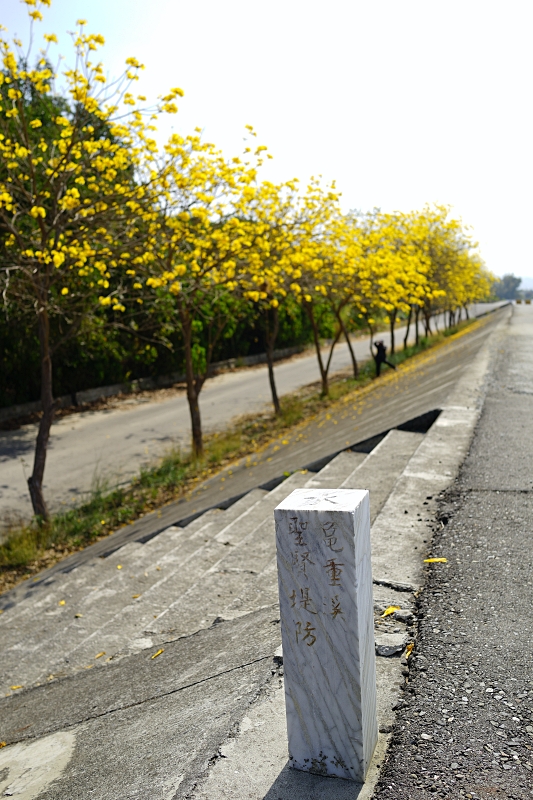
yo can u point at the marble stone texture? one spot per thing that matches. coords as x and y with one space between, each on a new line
327 625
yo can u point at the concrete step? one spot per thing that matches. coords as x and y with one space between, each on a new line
105 604
100 570
66 586
382 467
222 564
223 581
60 584
233 578
70 587
98 592
132 626
247 578
333 474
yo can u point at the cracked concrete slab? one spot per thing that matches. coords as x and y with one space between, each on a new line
253 763
140 678
144 727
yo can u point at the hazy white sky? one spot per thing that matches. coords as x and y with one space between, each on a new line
401 102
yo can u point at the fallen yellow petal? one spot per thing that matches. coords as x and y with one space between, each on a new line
62 602
16 687
119 566
158 653
390 610
3 744
135 596
435 561
409 649
78 616
99 655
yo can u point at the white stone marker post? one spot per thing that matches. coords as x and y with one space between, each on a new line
327 626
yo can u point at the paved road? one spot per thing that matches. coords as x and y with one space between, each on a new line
113 444
467 726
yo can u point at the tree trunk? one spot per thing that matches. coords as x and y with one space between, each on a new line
323 372
427 321
335 340
392 323
193 390
348 342
35 481
417 334
466 312
271 334
371 330
406 337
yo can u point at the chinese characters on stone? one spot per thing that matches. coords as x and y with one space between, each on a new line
301 561
328 531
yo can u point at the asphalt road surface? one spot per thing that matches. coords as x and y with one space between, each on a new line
111 445
466 726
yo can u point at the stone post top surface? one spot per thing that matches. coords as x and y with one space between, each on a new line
322 500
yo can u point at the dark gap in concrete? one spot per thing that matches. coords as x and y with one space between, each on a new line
420 424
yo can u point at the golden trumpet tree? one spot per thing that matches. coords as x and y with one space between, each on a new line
340 256
69 201
275 220
196 241
394 268
312 250
456 274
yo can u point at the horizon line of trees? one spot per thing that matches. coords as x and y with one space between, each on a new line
508 288
110 241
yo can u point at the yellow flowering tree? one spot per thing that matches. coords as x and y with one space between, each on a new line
313 254
196 238
274 219
399 268
341 255
456 275
69 200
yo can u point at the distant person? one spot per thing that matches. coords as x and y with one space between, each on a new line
380 357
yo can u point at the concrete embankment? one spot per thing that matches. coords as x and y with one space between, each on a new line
157 672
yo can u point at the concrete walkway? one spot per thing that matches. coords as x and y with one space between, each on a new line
113 444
